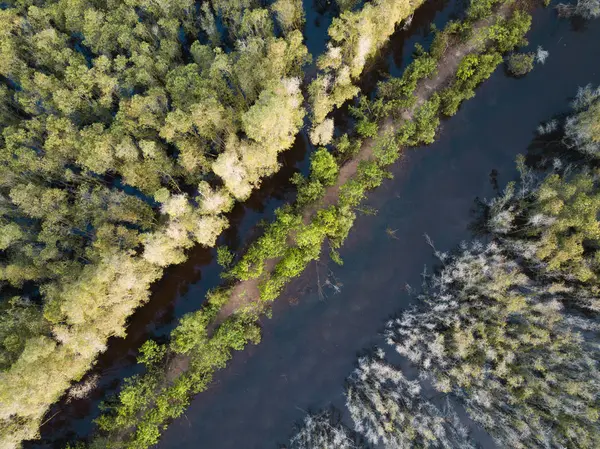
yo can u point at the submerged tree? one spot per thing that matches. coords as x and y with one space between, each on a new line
520 64
501 342
387 408
510 327
588 9
582 129
319 431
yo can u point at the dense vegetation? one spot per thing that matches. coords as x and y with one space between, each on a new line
205 339
110 166
128 130
587 9
355 36
506 329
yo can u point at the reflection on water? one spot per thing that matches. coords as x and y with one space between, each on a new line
310 344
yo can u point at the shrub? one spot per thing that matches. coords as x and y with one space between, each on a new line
472 70
478 9
509 33
292 264
271 288
235 332
224 256
426 121
366 128
151 353
270 245
386 149
323 167
190 332
371 175
397 93
347 147
520 64
351 193
309 191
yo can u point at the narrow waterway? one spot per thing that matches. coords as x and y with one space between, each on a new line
310 344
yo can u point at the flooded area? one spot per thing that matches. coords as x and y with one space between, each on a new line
183 287
310 344
332 313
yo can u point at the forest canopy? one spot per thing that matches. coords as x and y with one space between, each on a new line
129 129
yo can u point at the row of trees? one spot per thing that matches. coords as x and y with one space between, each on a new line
509 329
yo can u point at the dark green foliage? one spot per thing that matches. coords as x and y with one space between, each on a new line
397 93
426 121
479 9
371 175
509 33
136 395
366 115
387 149
323 167
272 244
190 332
473 70
440 43
405 133
224 256
352 193
323 172
308 191
146 403
151 353
367 129
347 147
292 264
520 64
